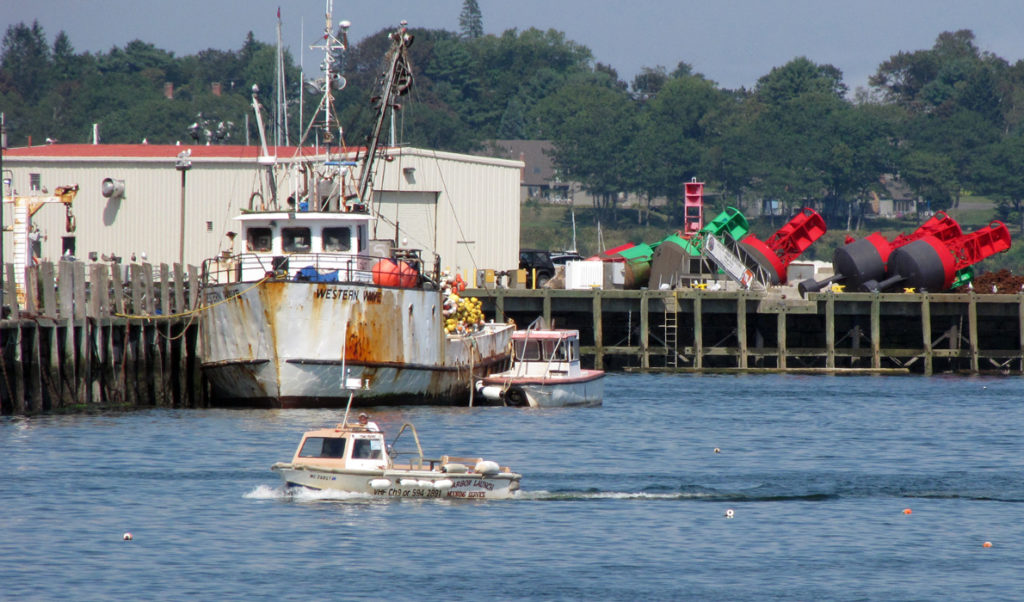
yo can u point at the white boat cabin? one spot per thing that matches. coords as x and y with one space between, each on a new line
313 246
543 353
342 448
323 244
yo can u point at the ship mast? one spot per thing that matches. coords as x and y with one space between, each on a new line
334 44
396 81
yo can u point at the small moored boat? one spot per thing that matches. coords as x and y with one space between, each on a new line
354 457
545 372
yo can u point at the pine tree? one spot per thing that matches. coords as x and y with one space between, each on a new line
471 21
25 57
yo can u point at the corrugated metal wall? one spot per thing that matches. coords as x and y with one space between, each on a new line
147 220
477 207
477 201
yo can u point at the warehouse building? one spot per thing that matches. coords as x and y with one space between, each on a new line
131 199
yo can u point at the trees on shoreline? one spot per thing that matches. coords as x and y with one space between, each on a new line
946 120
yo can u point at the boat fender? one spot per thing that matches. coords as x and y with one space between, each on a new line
515 397
380 483
449 306
487 467
425 484
455 468
490 393
443 483
409 482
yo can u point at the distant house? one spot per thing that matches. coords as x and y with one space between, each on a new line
899 201
538 178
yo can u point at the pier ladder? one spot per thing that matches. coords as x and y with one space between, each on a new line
671 327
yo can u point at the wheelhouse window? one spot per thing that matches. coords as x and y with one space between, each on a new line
337 239
322 447
295 240
555 350
366 449
528 350
259 239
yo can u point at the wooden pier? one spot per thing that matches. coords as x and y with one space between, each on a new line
92 335
99 335
745 331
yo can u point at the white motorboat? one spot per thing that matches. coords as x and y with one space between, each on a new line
355 458
545 372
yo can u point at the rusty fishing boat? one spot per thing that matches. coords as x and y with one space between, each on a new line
312 300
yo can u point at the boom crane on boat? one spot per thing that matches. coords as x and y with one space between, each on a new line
398 78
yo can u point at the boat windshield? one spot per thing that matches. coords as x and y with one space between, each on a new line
322 447
259 239
296 240
544 350
337 239
554 350
528 350
367 449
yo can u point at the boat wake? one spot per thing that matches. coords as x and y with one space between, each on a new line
303 494
818 487
660 496
792 487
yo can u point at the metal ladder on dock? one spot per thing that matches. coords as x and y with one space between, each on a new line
671 328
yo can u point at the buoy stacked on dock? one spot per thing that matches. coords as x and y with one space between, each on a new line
866 259
460 314
775 254
933 264
467 315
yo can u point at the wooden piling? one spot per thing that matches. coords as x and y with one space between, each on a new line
926 333
76 340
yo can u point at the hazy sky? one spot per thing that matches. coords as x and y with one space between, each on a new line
733 42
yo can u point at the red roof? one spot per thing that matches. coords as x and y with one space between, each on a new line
155 151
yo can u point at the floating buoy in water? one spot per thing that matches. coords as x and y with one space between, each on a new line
907 511
127 536
729 513
987 544
718 451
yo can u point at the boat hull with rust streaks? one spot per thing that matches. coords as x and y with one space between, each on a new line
283 343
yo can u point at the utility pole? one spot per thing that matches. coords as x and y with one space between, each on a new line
3 193
183 164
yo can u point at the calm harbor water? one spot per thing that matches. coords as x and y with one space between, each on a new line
626 501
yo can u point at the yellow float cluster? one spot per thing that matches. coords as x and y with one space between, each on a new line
467 315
